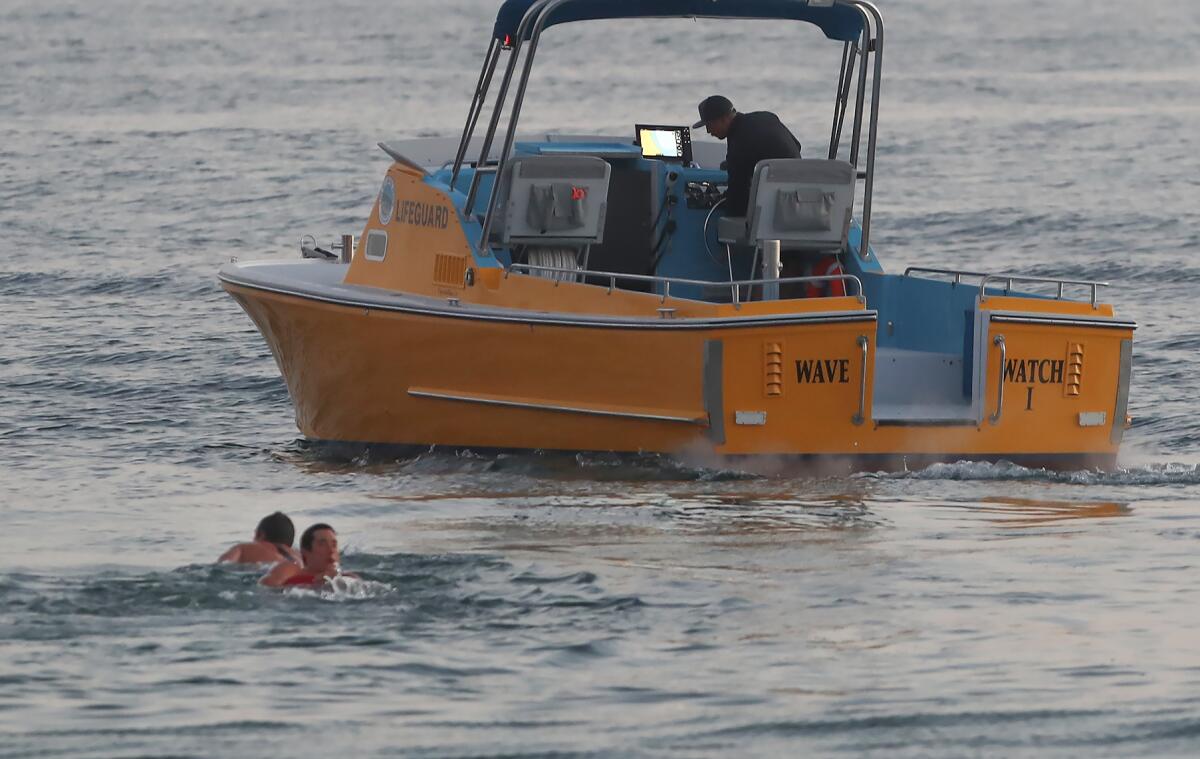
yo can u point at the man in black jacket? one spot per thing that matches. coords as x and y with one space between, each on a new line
753 137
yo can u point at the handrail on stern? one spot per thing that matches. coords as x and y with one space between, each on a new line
1008 279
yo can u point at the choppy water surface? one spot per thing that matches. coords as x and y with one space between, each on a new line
535 605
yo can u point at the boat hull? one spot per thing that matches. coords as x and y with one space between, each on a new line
708 390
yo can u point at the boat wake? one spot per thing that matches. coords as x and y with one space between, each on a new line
1163 473
322 456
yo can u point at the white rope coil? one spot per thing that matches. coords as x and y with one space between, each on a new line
554 257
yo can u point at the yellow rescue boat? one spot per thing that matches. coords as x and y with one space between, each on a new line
586 293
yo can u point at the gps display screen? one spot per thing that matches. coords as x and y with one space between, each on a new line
667 143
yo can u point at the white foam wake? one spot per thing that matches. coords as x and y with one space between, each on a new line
1163 473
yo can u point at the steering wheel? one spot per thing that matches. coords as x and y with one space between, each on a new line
704 232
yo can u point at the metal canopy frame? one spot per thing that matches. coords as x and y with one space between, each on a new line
533 23
838 21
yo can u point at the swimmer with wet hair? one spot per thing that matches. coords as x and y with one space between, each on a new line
272 543
319 551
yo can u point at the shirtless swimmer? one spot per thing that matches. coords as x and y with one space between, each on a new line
272 542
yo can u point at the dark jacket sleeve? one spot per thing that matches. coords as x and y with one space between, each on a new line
740 166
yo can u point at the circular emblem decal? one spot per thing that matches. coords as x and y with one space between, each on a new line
387 200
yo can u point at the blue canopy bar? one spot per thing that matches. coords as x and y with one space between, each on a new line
837 21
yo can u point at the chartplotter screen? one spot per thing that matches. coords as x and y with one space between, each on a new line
667 143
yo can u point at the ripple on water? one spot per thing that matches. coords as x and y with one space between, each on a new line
413 590
1165 473
433 460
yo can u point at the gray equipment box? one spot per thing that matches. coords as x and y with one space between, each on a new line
805 203
554 200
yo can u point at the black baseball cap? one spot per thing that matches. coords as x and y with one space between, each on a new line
712 108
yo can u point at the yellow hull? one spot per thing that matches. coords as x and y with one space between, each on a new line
536 381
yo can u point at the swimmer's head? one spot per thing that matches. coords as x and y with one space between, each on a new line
319 547
276 528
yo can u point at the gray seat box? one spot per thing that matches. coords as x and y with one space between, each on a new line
553 200
805 203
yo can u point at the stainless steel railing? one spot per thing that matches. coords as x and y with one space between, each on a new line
958 274
1008 279
666 282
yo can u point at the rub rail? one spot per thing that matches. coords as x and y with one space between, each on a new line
666 282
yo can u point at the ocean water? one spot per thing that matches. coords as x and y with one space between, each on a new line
553 605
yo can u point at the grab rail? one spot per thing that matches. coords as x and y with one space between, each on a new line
863 342
1008 279
735 286
957 273
999 341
